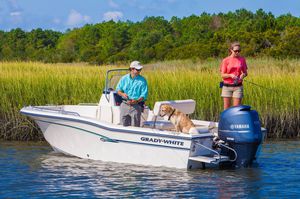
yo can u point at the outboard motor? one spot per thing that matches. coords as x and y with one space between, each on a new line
240 129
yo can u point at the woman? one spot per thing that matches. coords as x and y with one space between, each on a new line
233 70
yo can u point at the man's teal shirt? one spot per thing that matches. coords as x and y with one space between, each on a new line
135 88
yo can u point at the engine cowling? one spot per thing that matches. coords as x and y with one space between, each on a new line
240 129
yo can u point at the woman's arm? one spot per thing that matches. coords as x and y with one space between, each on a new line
244 70
225 75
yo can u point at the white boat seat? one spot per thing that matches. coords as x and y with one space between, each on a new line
185 106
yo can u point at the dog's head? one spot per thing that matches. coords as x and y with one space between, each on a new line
165 110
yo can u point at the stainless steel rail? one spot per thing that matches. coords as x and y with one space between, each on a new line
214 151
58 109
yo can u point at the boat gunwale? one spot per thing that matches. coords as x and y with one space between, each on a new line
29 111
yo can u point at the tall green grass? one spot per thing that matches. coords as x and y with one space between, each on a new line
32 83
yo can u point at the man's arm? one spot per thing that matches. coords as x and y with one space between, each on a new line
120 90
124 95
144 93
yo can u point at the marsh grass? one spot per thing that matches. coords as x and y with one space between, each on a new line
31 83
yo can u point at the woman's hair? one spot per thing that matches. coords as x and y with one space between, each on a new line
232 45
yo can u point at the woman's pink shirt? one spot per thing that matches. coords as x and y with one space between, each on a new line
233 65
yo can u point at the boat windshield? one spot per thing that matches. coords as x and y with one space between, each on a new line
112 78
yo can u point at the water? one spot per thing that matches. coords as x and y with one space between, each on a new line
30 170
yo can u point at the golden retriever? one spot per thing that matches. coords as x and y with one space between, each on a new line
180 120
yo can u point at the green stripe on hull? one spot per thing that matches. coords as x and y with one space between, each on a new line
106 139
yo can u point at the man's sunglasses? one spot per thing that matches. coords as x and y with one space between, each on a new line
236 51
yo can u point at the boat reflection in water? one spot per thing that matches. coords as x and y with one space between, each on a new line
71 175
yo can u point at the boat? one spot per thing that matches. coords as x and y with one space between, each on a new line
93 131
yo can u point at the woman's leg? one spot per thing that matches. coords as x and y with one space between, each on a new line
237 101
238 95
227 102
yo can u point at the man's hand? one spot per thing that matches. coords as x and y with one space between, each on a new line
124 95
131 102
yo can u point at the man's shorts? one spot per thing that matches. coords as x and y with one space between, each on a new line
130 114
235 92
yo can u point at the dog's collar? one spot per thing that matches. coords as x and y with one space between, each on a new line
162 115
171 114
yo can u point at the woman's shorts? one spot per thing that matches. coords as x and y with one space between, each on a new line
235 92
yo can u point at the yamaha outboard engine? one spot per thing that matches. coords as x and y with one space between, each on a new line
239 128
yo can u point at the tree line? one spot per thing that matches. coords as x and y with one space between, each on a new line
157 39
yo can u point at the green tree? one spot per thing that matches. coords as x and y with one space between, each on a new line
14 46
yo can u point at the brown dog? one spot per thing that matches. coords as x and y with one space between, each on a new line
181 122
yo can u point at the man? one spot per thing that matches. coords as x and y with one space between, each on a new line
133 89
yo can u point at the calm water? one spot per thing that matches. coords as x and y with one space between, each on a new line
30 170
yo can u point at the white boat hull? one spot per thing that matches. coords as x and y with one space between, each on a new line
92 139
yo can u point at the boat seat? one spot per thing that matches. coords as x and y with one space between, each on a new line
185 106
155 121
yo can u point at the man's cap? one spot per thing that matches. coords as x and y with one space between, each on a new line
136 65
